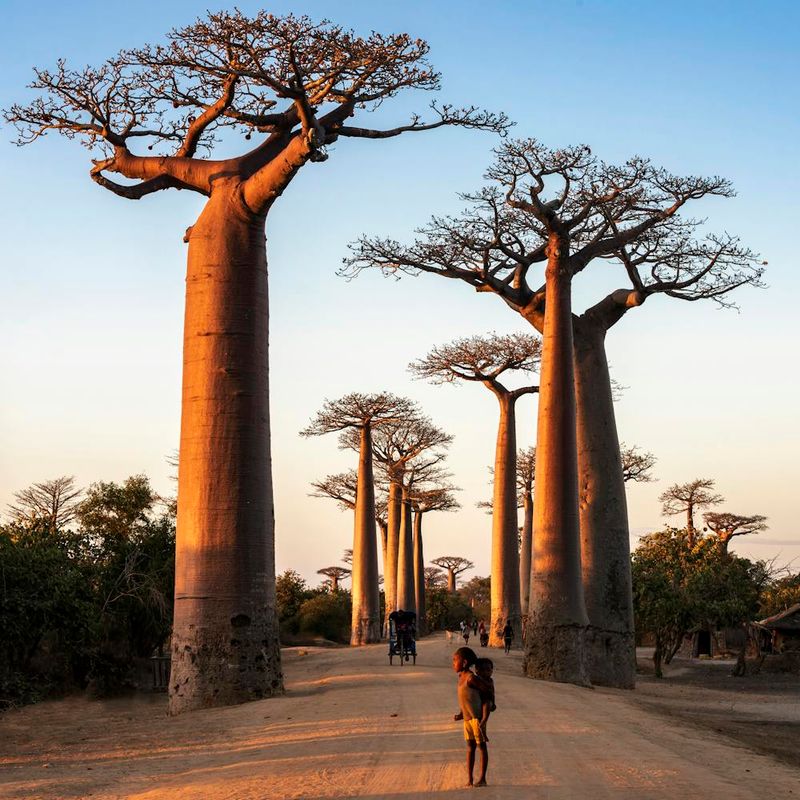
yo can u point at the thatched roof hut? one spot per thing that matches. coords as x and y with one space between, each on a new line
785 629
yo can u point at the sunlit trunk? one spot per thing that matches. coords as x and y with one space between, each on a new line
525 553
419 573
605 543
451 581
392 545
557 621
406 594
225 633
505 600
366 626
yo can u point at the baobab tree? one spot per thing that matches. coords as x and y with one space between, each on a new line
362 414
399 447
423 501
566 209
151 115
726 525
526 475
434 578
484 359
684 498
636 464
334 575
54 503
454 565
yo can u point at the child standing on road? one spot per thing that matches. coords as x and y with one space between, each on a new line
470 689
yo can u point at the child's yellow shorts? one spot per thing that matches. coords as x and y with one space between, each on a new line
473 731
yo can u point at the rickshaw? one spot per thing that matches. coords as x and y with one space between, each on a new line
402 636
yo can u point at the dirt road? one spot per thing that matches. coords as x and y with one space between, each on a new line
351 726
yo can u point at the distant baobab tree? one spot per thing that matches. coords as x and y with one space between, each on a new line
435 578
566 209
396 448
526 475
53 503
726 525
454 565
363 415
152 115
334 575
685 498
636 464
423 501
347 558
485 359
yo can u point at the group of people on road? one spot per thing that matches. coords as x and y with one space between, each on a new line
478 628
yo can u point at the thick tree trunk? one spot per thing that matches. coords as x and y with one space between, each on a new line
451 581
557 621
225 635
526 554
366 623
690 525
419 574
505 599
384 533
605 542
406 595
392 545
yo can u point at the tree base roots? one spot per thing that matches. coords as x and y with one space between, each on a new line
227 665
365 631
556 653
611 658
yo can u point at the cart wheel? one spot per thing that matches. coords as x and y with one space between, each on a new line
415 658
390 659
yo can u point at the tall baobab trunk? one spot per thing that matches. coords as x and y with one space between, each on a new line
526 554
419 574
392 545
384 528
605 544
406 594
366 623
690 529
557 621
505 600
225 634
451 581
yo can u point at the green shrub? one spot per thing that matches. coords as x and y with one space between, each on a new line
327 615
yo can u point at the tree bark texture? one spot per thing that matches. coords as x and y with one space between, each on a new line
366 623
505 599
557 621
451 581
225 635
406 593
605 543
395 502
526 554
419 574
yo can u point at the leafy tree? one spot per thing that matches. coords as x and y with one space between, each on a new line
681 582
779 594
726 525
445 610
477 593
327 615
291 592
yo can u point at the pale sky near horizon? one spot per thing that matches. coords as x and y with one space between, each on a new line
92 285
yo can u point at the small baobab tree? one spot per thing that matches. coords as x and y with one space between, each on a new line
54 503
526 475
362 415
435 578
288 86
334 575
485 359
637 464
454 565
566 209
685 498
726 525
423 501
347 558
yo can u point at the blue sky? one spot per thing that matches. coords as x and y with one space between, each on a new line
93 285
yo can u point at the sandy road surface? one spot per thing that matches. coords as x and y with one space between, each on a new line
351 726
